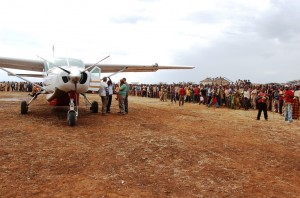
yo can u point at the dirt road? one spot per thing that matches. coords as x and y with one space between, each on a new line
158 150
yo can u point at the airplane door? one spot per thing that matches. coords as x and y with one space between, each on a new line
95 79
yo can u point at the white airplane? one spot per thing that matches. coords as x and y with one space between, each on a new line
64 79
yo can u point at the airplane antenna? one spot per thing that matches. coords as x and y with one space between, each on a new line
96 63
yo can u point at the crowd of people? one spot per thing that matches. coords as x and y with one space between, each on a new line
282 99
12 86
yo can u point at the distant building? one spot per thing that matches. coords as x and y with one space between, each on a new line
217 80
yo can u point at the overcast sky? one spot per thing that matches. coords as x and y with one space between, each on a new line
238 39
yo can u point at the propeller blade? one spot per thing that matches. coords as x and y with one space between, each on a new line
68 72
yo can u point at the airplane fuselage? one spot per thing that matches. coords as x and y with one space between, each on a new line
58 79
64 80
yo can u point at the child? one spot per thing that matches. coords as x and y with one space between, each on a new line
117 92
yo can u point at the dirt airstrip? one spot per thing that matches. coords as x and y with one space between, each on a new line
158 150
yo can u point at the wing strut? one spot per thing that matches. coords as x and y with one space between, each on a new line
118 71
22 78
96 63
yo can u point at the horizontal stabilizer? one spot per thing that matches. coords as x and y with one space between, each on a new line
29 75
23 64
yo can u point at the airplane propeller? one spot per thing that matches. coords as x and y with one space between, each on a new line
75 75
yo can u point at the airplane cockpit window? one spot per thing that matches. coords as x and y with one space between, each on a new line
46 66
67 62
61 62
76 62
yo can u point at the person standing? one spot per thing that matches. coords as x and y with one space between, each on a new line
126 97
296 103
281 97
181 96
122 95
8 86
254 98
110 93
262 105
103 92
288 100
246 98
196 94
173 94
276 99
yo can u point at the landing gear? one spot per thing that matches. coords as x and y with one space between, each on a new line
24 107
72 118
94 107
94 104
24 104
74 103
72 114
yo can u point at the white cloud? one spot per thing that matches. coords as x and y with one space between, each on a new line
221 38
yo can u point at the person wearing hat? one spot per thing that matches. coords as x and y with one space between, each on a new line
288 100
103 92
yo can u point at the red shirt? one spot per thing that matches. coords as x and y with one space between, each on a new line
182 91
196 91
262 97
288 96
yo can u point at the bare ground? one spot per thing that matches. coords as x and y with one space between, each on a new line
158 150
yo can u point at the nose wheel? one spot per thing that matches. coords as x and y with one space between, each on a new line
72 114
72 118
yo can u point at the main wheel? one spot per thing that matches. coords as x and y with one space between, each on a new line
24 107
94 107
72 118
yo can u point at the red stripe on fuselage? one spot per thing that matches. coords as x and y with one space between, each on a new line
64 99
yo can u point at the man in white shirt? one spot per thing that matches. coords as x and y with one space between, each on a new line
103 92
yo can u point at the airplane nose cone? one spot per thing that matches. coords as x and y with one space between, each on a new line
75 76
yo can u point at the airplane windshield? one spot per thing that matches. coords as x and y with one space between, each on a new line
67 62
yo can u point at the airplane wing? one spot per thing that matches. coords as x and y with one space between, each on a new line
22 64
111 68
38 65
